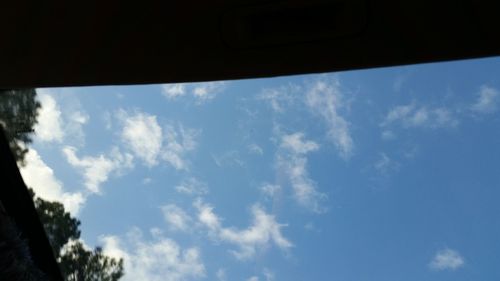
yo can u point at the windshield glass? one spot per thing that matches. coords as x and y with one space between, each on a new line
382 174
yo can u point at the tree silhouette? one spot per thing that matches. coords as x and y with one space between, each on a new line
77 262
18 115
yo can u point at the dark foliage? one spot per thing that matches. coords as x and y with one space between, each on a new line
18 115
77 263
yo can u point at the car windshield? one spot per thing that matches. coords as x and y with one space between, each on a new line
380 174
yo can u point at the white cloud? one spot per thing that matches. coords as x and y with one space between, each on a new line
57 126
75 121
96 170
162 259
279 98
292 162
207 217
447 259
143 135
49 126
399 112
255 149
192 186
263 231
270 190
148 141
295 143
412 116
176 218
201 91
325 98
304 188
487 101
253 278
41 178
172 91
178 142
207 90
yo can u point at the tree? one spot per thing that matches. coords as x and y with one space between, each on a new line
79 264
18 115
76 261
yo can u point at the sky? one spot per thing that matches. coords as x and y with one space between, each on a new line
379 174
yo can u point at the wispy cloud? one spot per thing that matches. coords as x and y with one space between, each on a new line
178 141
487 101
192 186
292 162
49 127
172 91
447 259
57 126
295 143
176 218
263 231
413 116
150 142
325 98
268 276
39 176
203 91
96 169
159 260
143 135
270 190
280 98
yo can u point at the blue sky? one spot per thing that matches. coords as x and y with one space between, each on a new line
381 174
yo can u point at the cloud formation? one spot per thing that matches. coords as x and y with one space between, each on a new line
176 218
263 231
178 141
281 97
192 186
39 176
292 162
324 98
295 143
413 116
96 169
143 135
150 142
49 127
447 259
203 91
487 101
54 125
270 190
159 260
